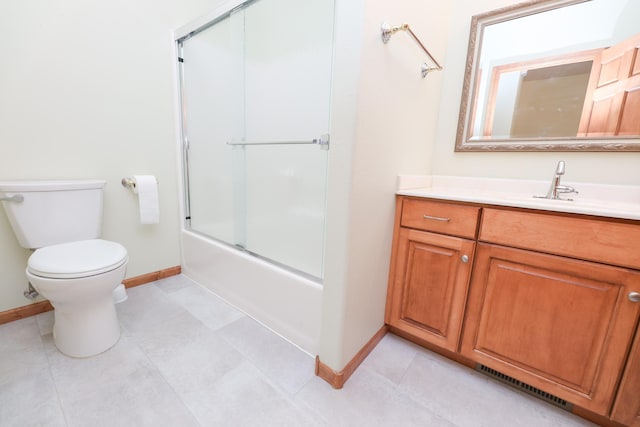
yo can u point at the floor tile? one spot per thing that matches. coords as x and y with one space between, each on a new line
45 322
27 392
174 283
146 308
285 364
206 306
189 355
367 399
19 334
244 397
18 363
118 387
30 400
468 398
391 357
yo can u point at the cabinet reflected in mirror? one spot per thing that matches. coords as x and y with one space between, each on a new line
553 75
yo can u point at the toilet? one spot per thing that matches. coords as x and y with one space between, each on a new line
71 266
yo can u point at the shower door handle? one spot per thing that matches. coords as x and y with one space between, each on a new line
323 141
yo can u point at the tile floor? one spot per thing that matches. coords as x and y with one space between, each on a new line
186 358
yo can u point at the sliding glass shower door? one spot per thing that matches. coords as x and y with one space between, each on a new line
255 98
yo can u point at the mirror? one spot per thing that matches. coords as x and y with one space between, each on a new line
558 75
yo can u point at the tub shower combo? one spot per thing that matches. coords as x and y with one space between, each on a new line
255 90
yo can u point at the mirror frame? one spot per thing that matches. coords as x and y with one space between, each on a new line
464 144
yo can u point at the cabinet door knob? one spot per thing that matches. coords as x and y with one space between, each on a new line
465 259
634 296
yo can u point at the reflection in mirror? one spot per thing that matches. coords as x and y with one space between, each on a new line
553 75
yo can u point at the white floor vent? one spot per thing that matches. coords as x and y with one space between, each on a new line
529 389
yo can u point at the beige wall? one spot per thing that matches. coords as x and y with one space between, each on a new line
605 168
87 91
384 117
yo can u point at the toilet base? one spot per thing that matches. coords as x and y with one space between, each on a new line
86 332
85 322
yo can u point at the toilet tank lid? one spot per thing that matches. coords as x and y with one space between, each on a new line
55 185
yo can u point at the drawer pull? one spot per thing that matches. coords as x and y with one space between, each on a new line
634 296
464 258
436 218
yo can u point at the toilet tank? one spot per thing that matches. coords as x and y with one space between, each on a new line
52 212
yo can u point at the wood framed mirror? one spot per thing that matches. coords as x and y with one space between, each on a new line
553 75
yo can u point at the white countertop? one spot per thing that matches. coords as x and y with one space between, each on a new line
615 201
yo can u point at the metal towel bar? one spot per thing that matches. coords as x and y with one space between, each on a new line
388 30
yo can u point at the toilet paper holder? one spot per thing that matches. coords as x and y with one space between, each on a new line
145 187
129 183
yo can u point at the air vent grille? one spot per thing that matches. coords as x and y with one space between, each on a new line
529 389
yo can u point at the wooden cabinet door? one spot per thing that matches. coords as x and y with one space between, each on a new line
626 409
559 324
429 286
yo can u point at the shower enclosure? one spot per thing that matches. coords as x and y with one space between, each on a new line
255 97
255 84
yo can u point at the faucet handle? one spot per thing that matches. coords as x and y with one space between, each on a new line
555 189
566 189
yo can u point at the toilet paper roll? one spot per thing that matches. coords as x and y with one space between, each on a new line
147 189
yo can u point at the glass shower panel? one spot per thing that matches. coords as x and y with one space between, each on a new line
288 50
288 53
286 204
253 82
213 104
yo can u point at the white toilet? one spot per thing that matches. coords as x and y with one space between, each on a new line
71 267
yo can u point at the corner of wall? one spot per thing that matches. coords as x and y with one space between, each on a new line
385 114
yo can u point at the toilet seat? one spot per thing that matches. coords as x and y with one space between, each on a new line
77 259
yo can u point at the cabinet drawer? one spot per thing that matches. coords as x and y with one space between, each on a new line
614 243
446 218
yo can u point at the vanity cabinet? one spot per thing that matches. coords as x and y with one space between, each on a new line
548 306
626 409
544 297
433 252
558 324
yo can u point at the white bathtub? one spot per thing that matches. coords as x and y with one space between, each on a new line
288 303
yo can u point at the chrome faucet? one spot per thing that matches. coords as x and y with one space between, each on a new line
555 189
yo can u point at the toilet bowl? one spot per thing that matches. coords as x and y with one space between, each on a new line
71 266
78 279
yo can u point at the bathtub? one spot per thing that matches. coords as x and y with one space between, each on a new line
288 303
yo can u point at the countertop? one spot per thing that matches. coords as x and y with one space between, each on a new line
614 201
